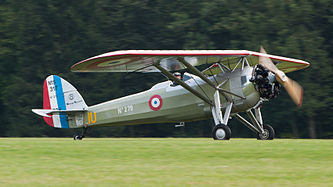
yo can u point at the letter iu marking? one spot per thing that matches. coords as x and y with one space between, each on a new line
90 117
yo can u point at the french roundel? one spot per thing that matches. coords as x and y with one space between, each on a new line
155 102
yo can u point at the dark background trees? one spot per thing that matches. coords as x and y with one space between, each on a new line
38 38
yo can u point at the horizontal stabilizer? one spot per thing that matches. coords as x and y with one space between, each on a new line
47 113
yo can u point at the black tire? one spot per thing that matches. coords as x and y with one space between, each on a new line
268 135
77 137
221 132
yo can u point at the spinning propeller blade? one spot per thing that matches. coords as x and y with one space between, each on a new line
294 90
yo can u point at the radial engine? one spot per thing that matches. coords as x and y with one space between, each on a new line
265 82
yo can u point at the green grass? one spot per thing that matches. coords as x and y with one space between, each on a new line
164 162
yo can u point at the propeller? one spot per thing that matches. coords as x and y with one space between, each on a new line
294 90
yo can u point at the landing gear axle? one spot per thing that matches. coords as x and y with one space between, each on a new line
268 133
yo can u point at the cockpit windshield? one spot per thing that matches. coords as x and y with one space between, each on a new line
186 77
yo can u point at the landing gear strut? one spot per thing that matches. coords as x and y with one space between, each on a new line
221 131
263 131
81 136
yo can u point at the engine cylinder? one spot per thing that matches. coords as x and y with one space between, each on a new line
265 82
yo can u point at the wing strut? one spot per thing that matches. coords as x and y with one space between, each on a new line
196 71
204 78
187 87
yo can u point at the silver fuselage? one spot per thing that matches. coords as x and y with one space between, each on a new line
176 103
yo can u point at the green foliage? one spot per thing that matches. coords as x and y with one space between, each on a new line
38 38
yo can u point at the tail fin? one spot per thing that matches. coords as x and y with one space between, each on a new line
60 99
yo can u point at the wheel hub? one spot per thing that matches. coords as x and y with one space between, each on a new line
264 135
220 133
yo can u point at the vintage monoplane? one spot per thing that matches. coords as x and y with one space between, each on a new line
229 82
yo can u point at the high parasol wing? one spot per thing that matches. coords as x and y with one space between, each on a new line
142 60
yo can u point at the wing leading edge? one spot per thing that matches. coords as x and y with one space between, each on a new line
142 60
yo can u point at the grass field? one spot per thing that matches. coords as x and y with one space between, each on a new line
164 162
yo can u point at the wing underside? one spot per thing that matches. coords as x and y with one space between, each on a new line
142 60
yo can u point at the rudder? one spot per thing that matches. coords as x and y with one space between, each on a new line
60 95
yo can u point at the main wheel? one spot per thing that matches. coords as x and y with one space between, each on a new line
268 134
221 132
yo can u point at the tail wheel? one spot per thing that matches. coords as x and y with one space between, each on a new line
77 137
268 134
221 132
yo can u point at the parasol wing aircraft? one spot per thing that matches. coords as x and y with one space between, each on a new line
219 84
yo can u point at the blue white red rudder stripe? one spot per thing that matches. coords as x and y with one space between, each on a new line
60 95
